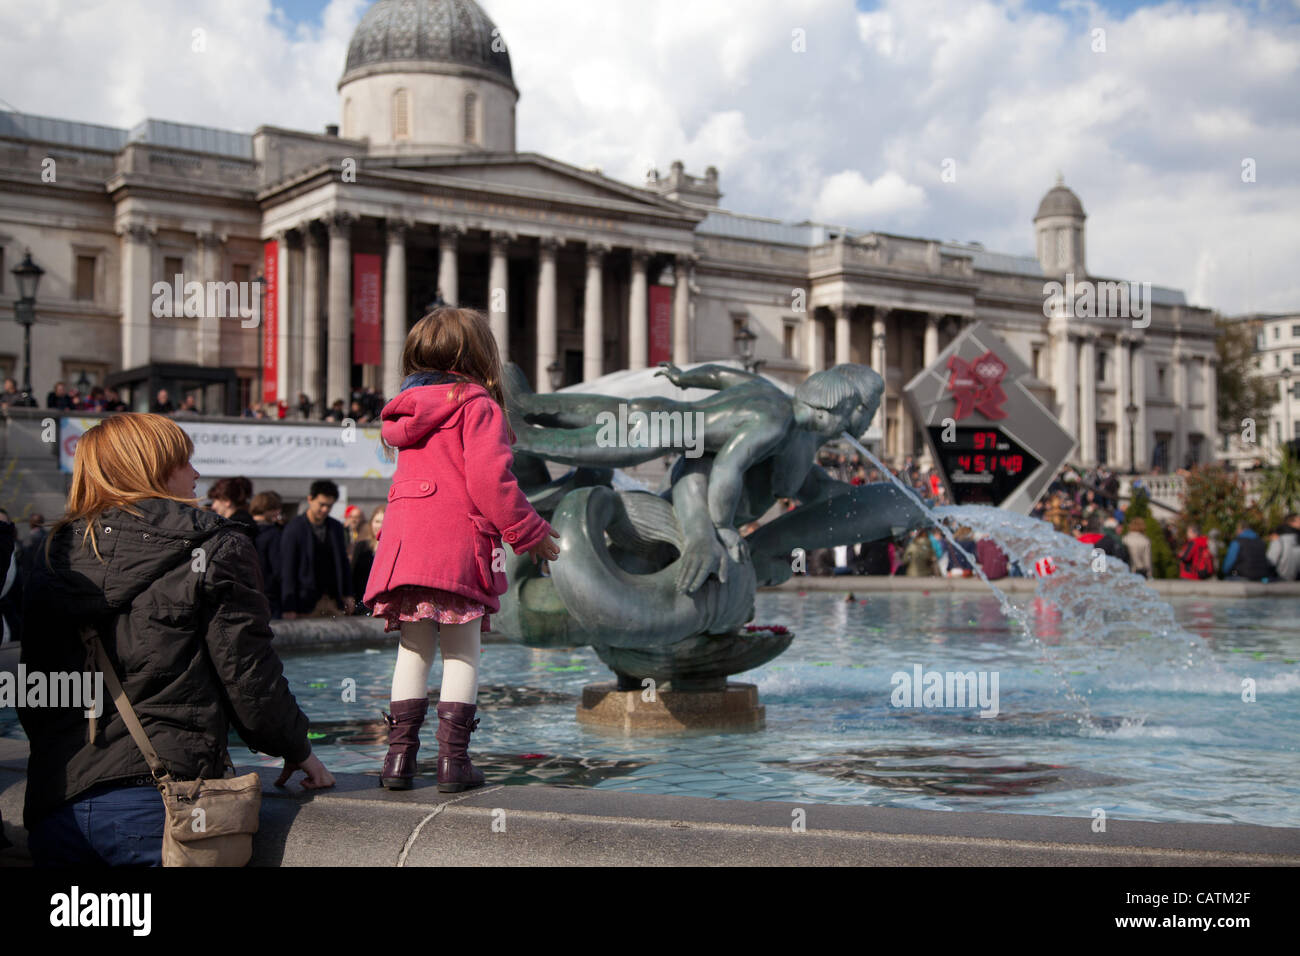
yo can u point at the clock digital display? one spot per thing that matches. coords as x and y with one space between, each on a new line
981 465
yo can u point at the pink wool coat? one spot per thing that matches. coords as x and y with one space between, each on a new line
453 497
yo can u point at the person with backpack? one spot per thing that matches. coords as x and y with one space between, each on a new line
1247 557
1195 563
1284 550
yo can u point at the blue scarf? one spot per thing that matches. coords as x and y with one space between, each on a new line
416 379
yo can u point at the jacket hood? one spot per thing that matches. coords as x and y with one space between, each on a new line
135 552
421 410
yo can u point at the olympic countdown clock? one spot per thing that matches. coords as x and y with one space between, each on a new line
993 441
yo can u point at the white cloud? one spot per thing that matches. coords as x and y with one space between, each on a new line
847 197
1150 133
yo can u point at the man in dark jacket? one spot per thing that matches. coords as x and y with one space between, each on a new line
189 636
316 579
265 509
1247 557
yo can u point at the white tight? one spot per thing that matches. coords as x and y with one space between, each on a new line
415 653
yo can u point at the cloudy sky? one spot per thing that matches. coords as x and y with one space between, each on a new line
823 109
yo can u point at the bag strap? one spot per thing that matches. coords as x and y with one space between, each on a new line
123 705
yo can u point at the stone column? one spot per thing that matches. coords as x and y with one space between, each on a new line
547 311
1123 396
137 264
338 342
683 272
208 350
1210 425
593 314
1088 400
843 329
448 237
284 302
931 346
816 343
638 317
1141 455
499 291
1065 356
313 267
879 355
394 306
1182 392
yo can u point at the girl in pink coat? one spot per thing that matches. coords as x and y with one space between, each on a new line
437 569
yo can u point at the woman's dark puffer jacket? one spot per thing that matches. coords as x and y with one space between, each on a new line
188 633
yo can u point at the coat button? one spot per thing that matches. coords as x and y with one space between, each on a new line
511 536
107 530
424 486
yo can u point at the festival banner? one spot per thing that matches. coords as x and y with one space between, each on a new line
270 321
265 450
367 332
661 324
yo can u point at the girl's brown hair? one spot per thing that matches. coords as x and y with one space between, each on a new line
1138 525
125 458
459 341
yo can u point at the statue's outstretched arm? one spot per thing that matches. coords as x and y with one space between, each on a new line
751 444
706 376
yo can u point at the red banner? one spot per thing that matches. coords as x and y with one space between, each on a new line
367 310
661 324
270 321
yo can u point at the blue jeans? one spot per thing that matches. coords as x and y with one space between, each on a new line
109 825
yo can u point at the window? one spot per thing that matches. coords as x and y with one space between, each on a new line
84 375
1277 359
1061 257
241 273
1103 360
1295 331
2 270
1295 358
85 278
1103 444
402 114
1160 451
1036 361
173 266
788 340
471 117
1160 380
1277 331
349 129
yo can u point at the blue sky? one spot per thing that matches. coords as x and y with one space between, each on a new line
1151 128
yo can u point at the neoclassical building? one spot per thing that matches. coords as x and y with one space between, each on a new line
420 191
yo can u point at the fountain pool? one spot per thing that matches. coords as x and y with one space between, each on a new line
1169 738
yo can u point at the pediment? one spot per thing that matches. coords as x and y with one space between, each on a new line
532 172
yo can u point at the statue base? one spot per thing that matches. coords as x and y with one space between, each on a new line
734 708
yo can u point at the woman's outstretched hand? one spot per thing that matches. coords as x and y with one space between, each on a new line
546 549
318 777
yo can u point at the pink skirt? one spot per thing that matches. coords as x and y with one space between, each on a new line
413 603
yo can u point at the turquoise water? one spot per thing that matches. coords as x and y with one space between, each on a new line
1169 737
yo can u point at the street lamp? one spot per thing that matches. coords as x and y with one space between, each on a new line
555 373
28 275
1286 405
745 346
1132 412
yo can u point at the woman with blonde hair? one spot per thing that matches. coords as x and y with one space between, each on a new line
174 595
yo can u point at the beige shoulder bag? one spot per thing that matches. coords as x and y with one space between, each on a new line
209 822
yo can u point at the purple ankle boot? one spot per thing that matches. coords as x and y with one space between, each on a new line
404 724
456 722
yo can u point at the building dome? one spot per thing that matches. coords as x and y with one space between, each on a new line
1060 201
401 33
